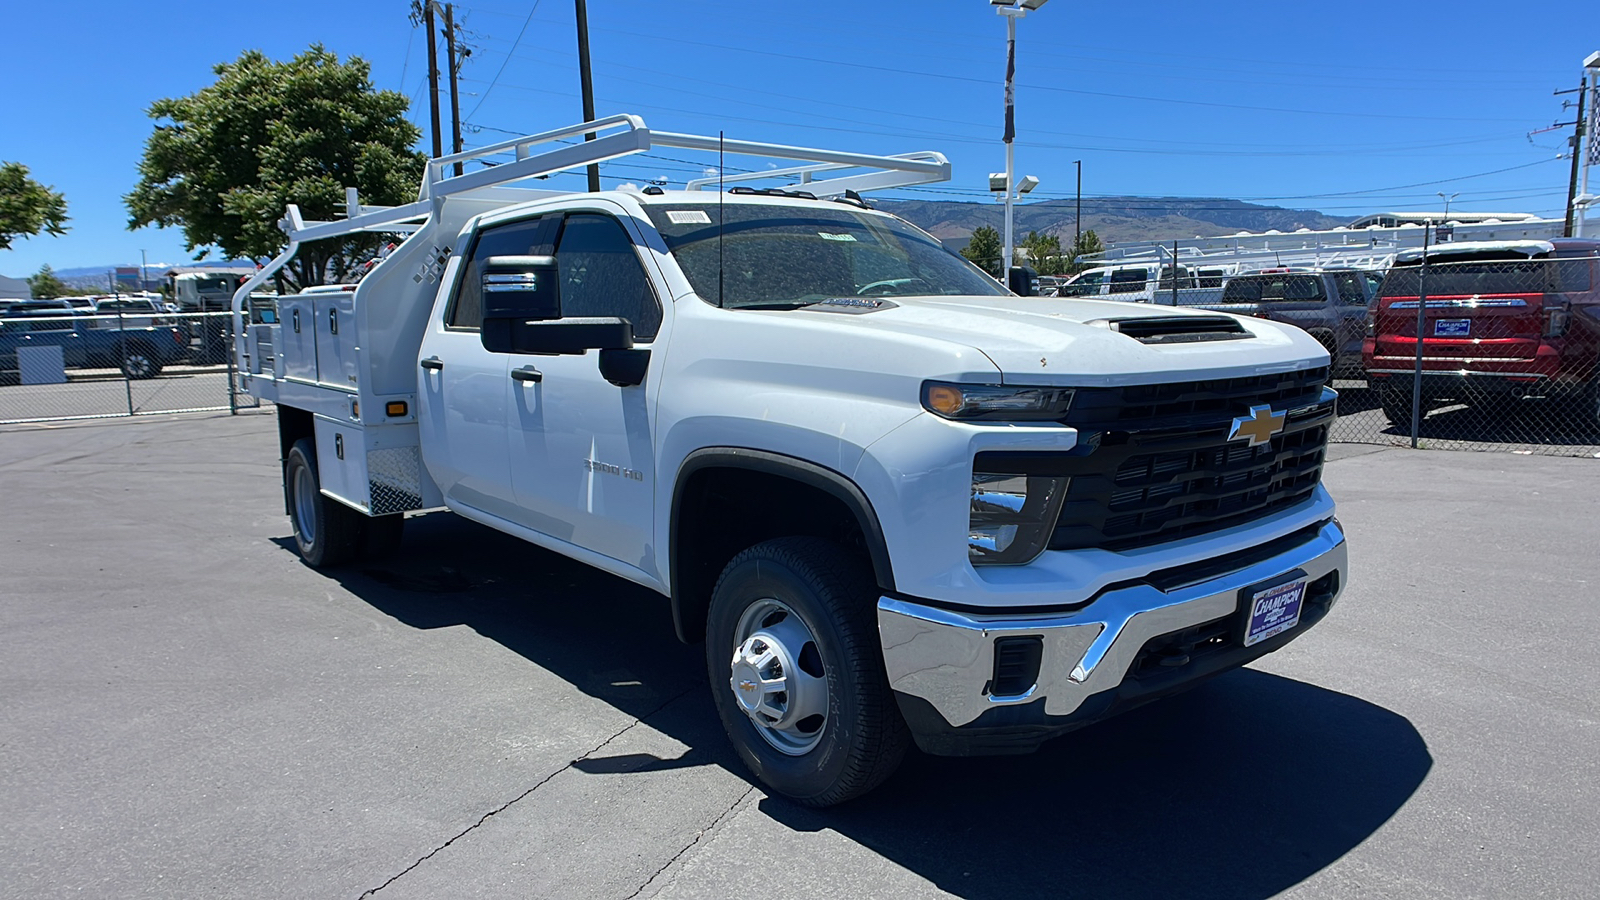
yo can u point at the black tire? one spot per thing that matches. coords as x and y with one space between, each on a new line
862 737
326 531
1328 344
1580 410
383 536
1396 405
139 362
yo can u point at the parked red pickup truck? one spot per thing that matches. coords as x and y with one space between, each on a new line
1500 320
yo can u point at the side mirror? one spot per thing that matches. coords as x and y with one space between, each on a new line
517 290
1021 280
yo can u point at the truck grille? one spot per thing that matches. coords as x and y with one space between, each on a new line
1156 464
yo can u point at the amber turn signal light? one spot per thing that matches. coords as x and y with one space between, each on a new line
395 408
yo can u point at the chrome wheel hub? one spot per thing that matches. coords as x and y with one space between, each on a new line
777 678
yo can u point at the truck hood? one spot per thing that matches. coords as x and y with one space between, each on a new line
1047 340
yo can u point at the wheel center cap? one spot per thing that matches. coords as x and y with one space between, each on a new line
746 683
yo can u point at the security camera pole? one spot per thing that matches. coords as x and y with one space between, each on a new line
1012 12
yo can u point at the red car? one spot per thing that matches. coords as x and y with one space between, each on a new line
1501 320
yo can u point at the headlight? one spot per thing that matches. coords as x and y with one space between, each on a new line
995 401
1012 516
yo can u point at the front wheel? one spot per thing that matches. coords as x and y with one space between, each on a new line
797 673
326 531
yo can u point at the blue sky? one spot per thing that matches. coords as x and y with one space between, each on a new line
1347 109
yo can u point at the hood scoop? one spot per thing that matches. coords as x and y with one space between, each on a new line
1175 329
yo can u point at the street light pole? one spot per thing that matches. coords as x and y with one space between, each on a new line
1011 64
1447 204
1012 10
1591 155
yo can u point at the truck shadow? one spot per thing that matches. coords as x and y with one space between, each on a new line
1240 788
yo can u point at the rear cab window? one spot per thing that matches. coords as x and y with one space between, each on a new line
1129 281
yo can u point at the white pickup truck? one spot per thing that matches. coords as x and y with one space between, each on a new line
895 501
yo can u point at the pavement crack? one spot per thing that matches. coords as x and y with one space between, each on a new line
525 794
698 835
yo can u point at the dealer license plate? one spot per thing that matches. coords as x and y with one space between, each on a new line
1274 610
1452 327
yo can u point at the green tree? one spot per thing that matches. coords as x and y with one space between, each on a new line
1088 242
1044 253
27 207
224 162
984 249
44 285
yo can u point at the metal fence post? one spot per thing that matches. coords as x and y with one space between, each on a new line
122 351
1416 372
233 397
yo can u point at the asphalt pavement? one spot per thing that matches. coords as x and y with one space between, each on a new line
188 711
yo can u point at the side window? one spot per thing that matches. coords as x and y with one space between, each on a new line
525 237
601 274
1350 292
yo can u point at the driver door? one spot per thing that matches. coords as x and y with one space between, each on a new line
583 449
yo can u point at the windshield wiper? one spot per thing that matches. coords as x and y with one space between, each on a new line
791 304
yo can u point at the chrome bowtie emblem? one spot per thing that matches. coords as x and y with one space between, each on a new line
1259 426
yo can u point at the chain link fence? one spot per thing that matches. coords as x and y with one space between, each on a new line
122 359
1486 349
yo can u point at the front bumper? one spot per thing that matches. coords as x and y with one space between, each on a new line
1132 643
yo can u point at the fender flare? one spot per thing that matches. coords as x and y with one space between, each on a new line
829 481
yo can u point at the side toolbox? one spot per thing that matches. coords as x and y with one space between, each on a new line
376 469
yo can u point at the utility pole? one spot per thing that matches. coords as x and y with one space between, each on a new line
1577 150
587 84
433 76
455 96
1077 216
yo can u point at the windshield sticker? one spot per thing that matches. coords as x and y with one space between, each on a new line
688 217
836 237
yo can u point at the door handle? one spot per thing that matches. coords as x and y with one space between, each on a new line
432 363
295 318
333 321
527 373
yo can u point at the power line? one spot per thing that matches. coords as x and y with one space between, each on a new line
496 80
1040 87
1189 146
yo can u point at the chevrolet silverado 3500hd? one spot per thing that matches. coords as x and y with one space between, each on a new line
895 501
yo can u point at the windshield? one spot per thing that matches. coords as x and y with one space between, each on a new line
775 257
1085 285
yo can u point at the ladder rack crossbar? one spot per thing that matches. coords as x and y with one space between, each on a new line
871 181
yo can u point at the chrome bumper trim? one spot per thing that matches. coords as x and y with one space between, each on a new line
947 657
